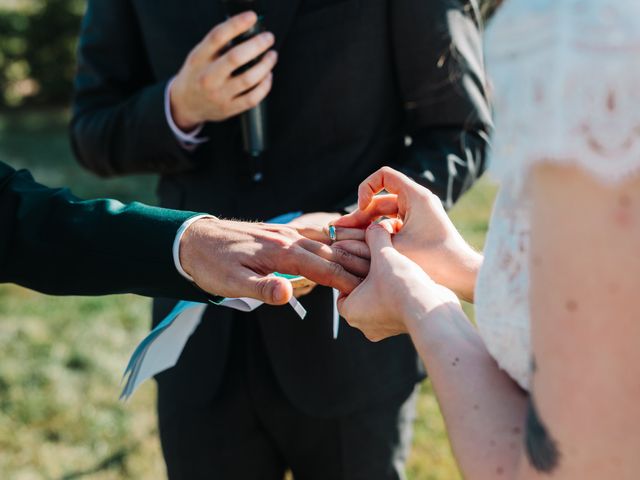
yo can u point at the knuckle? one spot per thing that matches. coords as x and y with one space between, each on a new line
216 37
283 242
262 41
235 57
342 255
236 23
336 269
263 289
247 80
290 232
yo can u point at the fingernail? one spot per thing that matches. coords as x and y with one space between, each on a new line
267 37
279 294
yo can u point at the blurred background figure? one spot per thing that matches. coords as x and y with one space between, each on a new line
63 420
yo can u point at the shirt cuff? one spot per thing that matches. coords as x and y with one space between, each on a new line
188 140
176 244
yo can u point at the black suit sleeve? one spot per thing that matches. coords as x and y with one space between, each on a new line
119 124
54 243
440 74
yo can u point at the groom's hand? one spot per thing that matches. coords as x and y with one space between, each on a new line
235 259
315 226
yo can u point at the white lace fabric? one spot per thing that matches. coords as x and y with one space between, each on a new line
566 82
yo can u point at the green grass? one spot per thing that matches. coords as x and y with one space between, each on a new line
62 358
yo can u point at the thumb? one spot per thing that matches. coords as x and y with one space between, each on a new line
378 237
392 225
271 289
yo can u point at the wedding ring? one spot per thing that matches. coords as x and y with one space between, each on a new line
332 233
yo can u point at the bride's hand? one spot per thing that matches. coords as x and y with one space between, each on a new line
427 236
395 292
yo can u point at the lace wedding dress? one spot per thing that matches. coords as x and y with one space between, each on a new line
566 81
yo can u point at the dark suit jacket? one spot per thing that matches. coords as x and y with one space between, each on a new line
55 243
354 79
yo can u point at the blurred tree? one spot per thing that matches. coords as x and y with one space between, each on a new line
37 52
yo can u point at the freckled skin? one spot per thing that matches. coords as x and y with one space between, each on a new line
572 306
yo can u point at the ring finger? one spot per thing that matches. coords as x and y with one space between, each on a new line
336 234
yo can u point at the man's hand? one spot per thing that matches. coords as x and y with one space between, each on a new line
205 89
316 227
425 233
235 259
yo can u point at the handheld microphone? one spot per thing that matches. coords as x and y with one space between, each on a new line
254 121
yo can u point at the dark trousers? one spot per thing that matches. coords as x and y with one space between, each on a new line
252 432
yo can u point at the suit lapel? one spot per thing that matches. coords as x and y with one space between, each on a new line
279 15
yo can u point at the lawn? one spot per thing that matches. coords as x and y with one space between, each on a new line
62 358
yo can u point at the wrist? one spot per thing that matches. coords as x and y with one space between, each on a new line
435 326
457 270
469 264
183 119
186 249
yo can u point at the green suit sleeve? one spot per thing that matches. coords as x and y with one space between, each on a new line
55 243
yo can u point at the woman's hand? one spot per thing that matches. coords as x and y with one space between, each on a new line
425 233
395 293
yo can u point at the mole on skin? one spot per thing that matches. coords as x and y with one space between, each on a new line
622 215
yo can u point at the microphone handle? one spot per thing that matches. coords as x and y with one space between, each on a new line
253 130
253 122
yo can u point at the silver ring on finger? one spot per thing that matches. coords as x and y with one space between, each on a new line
333 235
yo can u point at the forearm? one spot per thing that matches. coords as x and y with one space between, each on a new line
57 244
483 408
463 280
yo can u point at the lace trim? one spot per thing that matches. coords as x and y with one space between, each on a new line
566 78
